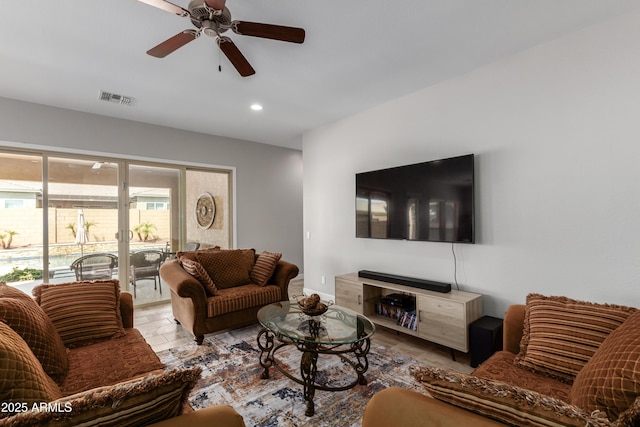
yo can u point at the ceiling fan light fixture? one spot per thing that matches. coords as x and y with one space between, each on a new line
213 18
256 107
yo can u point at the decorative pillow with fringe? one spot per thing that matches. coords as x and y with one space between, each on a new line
133 403
82 312
610 381
264 267
196 269
27 318
502 402
561 334
23 382
228 268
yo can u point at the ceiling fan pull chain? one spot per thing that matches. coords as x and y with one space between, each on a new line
219 61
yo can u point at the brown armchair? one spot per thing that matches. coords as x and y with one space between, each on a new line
190 303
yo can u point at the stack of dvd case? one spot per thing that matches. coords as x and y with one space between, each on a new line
399 307
408 320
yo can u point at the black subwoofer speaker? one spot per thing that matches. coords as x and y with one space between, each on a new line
485 338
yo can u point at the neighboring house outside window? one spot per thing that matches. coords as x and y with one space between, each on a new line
8 204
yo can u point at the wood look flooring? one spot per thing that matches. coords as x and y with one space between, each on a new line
161 332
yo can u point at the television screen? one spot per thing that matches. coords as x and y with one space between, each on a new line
430 201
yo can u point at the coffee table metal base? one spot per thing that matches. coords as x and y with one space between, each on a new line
354 354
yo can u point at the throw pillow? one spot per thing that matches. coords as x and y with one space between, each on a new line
264 267
196 269
503 402
82 312
133 403
561 334
25 317
228 268
23 382
610 381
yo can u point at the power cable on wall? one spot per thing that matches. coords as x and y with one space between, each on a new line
455 266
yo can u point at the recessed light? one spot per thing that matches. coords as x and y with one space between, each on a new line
256 107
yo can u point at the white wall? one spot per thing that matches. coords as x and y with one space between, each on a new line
268 178
556 133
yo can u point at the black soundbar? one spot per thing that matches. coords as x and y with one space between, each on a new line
429 285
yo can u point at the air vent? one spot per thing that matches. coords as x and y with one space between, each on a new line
115 98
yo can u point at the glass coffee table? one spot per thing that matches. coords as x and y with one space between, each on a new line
338 332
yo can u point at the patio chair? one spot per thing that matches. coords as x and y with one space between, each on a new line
98 266
168 253
146 265
192 246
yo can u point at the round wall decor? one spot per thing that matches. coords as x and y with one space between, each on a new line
205 210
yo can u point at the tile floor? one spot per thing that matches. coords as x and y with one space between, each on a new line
161 332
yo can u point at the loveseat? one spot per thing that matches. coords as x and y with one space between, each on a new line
71 356
216 289
564 363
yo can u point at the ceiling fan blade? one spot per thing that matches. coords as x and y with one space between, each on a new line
215 4
236 57
269 31
166 6
174 43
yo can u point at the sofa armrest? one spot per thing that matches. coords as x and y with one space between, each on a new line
513 327
284 272
126 309
218 415
396 406
180 282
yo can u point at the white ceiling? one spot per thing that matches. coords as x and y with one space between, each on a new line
357 54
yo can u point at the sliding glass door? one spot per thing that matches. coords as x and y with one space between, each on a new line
66 217
82 219
21 219
154 224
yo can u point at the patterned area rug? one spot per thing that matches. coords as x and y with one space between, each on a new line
231 375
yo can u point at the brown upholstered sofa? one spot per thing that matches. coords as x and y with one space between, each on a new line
214 289
72 356
565 363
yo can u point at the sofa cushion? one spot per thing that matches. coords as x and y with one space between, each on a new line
82 312
228 268
93 365
241 297
133 403
503 402
25 317
196 269
264 267
500 367
22 379
610 381
561 334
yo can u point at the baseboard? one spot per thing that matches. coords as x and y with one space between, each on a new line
323 296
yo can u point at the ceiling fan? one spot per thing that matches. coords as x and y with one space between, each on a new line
212 18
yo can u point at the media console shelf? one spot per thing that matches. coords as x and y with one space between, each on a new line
443 318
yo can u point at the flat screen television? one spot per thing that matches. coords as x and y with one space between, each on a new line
431 201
